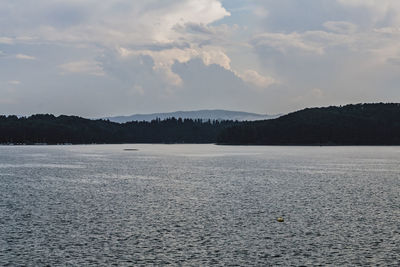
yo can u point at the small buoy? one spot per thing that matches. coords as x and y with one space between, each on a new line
280 219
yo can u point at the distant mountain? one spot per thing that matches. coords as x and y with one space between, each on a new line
216 114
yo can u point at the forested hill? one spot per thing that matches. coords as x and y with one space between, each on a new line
361 124
50 129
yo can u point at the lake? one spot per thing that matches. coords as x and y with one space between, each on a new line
199 205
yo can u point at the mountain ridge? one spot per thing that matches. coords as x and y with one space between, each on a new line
203 114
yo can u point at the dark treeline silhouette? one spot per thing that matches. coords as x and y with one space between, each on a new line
75 130
361 124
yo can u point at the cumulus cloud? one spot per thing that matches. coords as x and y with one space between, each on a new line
217 86
163 61
253 77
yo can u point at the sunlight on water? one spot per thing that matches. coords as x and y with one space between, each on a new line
199 205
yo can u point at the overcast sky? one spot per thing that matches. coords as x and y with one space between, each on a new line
118 57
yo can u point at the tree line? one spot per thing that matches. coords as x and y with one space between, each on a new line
361 124
49 129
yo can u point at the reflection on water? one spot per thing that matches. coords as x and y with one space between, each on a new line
199 205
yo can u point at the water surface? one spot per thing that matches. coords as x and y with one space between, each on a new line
199 205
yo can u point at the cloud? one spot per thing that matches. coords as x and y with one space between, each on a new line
138 25
256 55
286 42
253 77
383 12
25 57
195 28
164 59
136 73
166 31
82 67
348 48
109 22
213 86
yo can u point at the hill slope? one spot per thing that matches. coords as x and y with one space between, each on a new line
362 124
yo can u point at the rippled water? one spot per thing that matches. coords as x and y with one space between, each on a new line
199 205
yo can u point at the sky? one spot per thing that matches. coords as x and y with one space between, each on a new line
119 57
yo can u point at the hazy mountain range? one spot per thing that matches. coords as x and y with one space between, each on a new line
216 114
